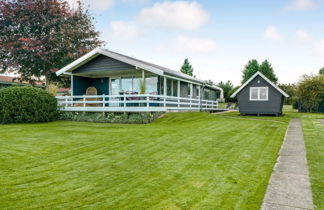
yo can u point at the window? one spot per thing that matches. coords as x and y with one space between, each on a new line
169 87
175 87
259 93
198 91
130 84
151 85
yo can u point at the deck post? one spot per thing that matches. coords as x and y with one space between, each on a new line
165 90
178 93
190 94
84 101
148 101
103 100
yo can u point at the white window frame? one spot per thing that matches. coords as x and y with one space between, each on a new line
259 99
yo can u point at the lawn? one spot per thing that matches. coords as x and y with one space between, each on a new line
314 140
181 161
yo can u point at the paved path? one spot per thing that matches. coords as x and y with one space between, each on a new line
289 186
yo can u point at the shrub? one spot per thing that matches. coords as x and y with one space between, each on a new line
27 105
103 117
310 91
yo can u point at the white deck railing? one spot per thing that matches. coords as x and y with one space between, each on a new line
133 103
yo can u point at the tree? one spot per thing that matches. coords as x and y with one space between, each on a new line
265 68
321 71
227 87
186 68
210 82
250 69
310 91
38 37
291 90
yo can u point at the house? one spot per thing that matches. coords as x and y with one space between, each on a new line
260 96
103 80
7 81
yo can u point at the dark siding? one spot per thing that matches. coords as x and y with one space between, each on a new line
103 63
272 106
101 84
80 85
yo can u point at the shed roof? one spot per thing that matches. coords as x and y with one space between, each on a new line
266 79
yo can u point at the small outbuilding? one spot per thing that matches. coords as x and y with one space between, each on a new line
260 96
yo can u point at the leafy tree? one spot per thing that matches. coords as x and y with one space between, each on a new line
231 93
291 90
310 91
321 71
210 82
38 37
186 68
227 87
250 69
265 68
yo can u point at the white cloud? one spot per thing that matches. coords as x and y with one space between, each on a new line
303 36
123 30
271 33
317 45
175 15
302 5
94 5
194 45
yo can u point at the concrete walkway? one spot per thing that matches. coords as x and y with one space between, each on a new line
289 186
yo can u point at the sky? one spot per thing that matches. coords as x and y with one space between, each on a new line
218 37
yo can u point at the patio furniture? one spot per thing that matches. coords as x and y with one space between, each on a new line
92 91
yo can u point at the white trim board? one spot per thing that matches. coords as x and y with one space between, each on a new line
265 78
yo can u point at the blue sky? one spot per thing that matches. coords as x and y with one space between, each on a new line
218 37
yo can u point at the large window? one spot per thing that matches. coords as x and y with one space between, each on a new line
172 87
151 85
126 85
259 93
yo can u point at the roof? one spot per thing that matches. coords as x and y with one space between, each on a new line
159 70
266 79
8 79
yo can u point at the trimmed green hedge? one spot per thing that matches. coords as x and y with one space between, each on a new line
27 105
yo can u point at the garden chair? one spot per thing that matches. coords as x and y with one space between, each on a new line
92 91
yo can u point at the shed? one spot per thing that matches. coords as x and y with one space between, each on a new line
260 96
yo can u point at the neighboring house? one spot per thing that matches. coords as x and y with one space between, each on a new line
7 81
260 96
103 80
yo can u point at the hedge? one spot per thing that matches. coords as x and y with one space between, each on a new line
27 105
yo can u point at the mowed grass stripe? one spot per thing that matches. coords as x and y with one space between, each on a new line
183 160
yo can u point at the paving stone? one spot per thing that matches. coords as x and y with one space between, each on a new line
289 185
272 206
292 167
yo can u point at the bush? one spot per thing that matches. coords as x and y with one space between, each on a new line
27 105
310 91
103 117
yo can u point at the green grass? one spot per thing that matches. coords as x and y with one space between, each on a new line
181 161
314 140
